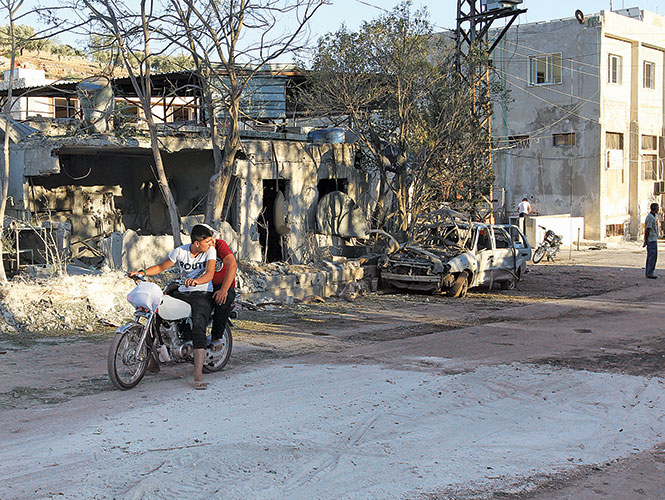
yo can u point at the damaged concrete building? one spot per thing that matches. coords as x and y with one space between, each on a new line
97 188
583 135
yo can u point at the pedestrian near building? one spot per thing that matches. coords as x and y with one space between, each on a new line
523 209
651 241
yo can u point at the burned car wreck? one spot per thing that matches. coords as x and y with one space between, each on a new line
450 254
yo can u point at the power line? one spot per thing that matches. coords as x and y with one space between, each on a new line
540 52
553 104
548 88
528 58
368 4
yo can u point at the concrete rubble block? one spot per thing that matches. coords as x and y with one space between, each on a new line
131 251
312 279
280 281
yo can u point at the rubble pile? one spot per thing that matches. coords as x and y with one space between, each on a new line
65 304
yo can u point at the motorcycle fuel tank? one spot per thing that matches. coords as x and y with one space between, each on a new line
171 308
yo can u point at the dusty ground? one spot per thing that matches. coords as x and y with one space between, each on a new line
547 321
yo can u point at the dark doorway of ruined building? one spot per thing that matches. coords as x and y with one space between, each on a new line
326 186
270 239
232 203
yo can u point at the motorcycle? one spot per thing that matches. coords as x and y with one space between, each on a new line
549 246
159 329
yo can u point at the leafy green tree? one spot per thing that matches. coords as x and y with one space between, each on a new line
394 84
25 38
167 64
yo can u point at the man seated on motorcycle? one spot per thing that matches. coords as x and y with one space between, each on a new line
224 294
196 262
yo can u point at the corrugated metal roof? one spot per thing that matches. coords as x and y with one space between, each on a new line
18 131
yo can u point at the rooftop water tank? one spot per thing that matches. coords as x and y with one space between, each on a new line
96 97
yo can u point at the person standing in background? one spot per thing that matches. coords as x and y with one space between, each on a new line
651 241
523 209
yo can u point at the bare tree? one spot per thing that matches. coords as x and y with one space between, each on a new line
11 7
131 30
231 41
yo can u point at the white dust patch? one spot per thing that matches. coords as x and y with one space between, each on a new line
66 302
335 432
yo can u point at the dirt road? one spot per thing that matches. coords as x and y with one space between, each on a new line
553 390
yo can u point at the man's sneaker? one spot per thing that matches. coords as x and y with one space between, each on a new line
217 345
652 277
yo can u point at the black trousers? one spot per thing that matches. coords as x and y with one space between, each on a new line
221 316
201 303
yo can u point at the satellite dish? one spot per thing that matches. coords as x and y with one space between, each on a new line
579 15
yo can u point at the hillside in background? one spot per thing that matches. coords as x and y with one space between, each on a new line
59 67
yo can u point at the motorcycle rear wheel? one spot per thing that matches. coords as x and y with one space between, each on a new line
539 254
126 366
216 360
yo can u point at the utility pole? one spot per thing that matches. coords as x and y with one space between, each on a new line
474 19
472 53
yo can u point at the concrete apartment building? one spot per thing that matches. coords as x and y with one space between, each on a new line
582 131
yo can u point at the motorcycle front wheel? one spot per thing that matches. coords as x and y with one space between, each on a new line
126 365
539 254
216 360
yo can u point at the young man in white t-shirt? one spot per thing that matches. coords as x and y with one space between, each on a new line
196 262
523 209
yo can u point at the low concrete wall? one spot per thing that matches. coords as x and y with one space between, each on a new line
291 285
564 225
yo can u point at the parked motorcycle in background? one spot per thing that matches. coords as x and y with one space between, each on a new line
160 327
549 246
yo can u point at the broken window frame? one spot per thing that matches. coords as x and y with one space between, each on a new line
70 106
519 141
545 69
650 168
614 230
649 142
567 139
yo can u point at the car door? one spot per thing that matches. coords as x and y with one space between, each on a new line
504 262
521 245
484 255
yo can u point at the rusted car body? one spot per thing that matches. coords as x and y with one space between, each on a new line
451 255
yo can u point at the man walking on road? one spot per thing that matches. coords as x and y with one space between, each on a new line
651 241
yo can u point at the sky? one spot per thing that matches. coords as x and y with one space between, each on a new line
444 12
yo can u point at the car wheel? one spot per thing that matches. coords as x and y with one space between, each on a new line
460 286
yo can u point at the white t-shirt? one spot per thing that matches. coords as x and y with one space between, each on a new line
523 207
192 266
